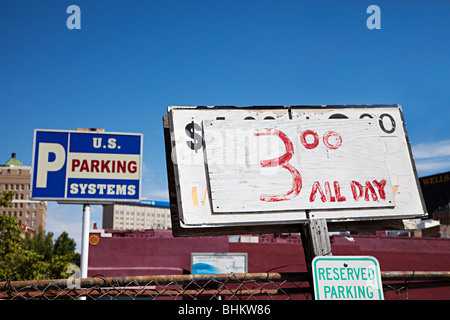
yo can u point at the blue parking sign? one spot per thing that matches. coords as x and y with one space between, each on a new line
86 167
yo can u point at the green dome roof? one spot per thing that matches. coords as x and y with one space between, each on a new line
14 162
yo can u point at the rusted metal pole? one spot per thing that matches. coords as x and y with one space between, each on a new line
52 286
156 280
415 275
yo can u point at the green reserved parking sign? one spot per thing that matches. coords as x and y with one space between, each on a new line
347 278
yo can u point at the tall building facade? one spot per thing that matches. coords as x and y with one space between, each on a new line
16 177
147 214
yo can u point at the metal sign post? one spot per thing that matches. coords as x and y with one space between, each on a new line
85 241
316 243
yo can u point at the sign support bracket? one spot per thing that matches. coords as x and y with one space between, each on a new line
315 242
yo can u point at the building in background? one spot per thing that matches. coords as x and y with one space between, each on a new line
436 193
16 177
147 214
119 253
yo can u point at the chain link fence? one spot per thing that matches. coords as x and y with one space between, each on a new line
246 286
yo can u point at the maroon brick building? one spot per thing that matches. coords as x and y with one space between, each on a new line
156 252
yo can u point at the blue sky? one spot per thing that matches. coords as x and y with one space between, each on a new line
132 59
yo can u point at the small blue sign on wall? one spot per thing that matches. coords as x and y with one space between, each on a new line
218 263
86 167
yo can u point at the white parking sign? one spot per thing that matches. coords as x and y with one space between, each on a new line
347 278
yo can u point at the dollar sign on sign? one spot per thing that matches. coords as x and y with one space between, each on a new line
196 142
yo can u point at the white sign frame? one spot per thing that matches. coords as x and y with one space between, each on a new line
193 193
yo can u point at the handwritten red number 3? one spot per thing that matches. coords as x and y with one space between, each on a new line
283 162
